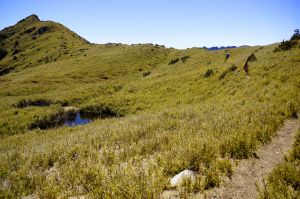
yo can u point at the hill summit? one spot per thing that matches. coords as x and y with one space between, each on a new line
31 18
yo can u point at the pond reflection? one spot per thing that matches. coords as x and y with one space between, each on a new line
77 119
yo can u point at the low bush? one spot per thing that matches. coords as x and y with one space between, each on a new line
208 73
30 30
3 53
50 121
5 71
174 61
146 73
101 111
286 45
251 58
289 44
29 102
230 69
183 59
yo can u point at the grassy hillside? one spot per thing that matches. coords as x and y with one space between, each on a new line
175 110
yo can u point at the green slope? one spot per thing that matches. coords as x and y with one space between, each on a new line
173 116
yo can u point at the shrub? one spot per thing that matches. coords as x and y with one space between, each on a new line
50 121
5 71
251 58
289 44
146 73
102 111
3 53
174 61
183 59
16 51
16 43
296 35
28 102
29 30
230 69
208 73
286 45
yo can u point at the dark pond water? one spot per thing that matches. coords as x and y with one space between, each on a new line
77 119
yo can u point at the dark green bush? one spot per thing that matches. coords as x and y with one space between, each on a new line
3 53
28 102
174 61
101 111
296 35
208 73
183 59
228 70
289 44
251 58
146 73
286 45
5 71
50 121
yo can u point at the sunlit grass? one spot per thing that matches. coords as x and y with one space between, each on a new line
171 119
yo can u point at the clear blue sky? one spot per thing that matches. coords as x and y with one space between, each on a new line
176 23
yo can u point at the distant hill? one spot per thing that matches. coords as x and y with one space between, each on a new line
221 47
31 42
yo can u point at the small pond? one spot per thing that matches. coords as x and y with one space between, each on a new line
77 119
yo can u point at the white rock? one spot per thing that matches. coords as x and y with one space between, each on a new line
178 179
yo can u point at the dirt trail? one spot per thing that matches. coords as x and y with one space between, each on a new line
250 172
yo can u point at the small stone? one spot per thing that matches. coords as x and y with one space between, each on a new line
178 179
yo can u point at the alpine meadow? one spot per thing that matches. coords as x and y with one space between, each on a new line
151 112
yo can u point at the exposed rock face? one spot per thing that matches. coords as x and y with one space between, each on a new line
179 178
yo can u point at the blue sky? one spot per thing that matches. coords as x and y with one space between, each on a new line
174 23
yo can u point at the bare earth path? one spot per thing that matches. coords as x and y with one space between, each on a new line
250 172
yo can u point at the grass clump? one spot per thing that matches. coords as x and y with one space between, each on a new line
212 179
